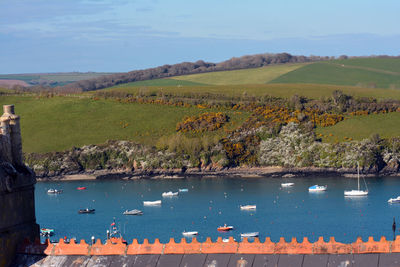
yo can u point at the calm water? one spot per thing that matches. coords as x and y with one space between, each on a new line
210 203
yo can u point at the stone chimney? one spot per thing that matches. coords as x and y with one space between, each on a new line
5 139
14 134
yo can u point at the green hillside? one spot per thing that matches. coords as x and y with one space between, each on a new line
343 74
360 127
59 123
360 72
246 76
382 64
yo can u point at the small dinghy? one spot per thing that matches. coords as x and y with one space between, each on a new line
191 233
183 190
81 188
248 207
394 200
133 212
317 188
287 184
225 228
169 194
152 203
87 210
54 191
251 234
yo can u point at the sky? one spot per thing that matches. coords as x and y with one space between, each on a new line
123 35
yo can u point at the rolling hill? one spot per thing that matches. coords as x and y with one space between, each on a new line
341 74
246 76
358 72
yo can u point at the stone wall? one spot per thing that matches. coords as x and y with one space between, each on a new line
17 202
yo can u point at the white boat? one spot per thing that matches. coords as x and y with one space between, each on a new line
287 184
169 194
133 212
183 190
54 191
248 207
152 203
358 192
251 234
317 188
190 233
394 200
226 240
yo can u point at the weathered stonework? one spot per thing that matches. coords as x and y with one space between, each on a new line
17 203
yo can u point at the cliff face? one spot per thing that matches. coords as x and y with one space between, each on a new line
17 203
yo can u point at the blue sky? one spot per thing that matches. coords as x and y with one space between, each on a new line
123 35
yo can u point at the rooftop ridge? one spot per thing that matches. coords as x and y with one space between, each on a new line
118 247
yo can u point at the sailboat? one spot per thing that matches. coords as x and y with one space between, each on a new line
358 192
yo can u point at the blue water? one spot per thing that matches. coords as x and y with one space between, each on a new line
292 212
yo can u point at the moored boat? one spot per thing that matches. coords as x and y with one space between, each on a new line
190 233
317 188
81 188
251 234
87 210
225 228
169 194
358 192
394 200
248 207
114 234
152 203
287 184
133 212
183 190
46 232
355 193
54 191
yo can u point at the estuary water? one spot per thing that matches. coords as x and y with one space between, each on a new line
212 202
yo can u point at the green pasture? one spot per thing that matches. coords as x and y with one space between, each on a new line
329 73
361 127
312 91
246 76
59 123
379 64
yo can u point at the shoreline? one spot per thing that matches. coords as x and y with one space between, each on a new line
238 172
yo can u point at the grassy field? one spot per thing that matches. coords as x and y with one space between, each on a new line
360 127
312 91
59 123
247 76
330 73
383 64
